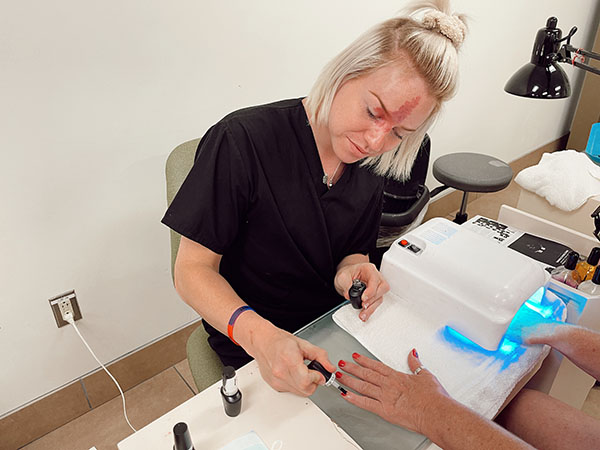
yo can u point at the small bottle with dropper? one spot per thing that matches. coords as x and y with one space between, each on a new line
592 286
585 269
566 274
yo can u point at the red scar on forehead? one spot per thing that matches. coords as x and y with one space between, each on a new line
402 113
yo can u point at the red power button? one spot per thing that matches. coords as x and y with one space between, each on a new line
403 242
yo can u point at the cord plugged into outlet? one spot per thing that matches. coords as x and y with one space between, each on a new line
66 311
63 306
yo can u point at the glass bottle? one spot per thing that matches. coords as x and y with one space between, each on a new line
566 274
591 286
585 269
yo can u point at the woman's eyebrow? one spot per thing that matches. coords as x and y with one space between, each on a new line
402 111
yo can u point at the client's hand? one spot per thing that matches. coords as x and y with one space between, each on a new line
405 400
368 274
545 333
280 357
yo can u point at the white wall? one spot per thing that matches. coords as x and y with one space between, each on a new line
94 95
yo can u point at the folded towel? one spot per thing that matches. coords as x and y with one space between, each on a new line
480 379
566 179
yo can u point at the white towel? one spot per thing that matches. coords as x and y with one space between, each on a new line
566 179
480 379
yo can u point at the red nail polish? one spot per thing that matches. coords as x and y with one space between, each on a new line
341 363
338 375
414 352
343 394
355 355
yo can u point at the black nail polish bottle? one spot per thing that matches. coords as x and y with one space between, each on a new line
183 440
232 396
355 293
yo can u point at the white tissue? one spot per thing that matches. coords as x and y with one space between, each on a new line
566 179
477 380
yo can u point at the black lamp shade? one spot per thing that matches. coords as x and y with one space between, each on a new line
539 81
542 77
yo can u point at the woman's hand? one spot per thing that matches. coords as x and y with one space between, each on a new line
280 357
348 270
405 400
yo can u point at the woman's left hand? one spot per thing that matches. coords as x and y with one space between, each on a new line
350 269
411 401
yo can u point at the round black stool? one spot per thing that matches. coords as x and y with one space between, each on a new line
471 172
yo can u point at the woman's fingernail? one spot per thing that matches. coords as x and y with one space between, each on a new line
414 352
355 355
343 394
341 363
338 375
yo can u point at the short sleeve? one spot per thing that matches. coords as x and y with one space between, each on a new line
212 202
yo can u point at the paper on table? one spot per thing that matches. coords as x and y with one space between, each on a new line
249 441
480 379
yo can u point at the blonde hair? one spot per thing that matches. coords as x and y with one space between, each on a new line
427 38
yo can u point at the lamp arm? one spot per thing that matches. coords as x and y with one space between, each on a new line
564 56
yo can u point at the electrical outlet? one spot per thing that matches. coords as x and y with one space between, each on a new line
63 303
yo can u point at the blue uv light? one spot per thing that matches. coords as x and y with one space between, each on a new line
539 308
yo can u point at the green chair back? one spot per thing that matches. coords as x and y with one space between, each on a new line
204 363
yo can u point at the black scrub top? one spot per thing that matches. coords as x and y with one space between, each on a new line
255 195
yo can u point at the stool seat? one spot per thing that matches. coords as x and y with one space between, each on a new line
472 172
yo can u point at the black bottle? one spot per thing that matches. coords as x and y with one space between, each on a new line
355 293
232 396
183 440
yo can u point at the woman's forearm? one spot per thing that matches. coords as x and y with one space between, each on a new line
211 296
580 345
453 426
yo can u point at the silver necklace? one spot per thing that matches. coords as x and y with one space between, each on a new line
327 181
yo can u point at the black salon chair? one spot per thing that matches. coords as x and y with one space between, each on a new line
404 203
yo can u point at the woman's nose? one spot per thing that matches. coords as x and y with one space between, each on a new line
375 138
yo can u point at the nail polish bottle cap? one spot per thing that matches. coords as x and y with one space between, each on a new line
183 440
572 260
594 256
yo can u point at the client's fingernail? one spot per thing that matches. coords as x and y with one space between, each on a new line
355 355
344 394
341 363
338 375
414 352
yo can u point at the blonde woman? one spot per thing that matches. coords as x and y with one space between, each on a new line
283 203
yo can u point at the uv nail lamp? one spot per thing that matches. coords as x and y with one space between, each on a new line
470 283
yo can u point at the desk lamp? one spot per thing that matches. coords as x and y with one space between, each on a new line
542 77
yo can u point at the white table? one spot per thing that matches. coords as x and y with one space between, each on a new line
295 421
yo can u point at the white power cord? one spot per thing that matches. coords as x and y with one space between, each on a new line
68 316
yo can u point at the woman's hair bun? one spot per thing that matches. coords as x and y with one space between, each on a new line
450 26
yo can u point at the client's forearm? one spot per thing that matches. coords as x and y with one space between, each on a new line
453 426
580 345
